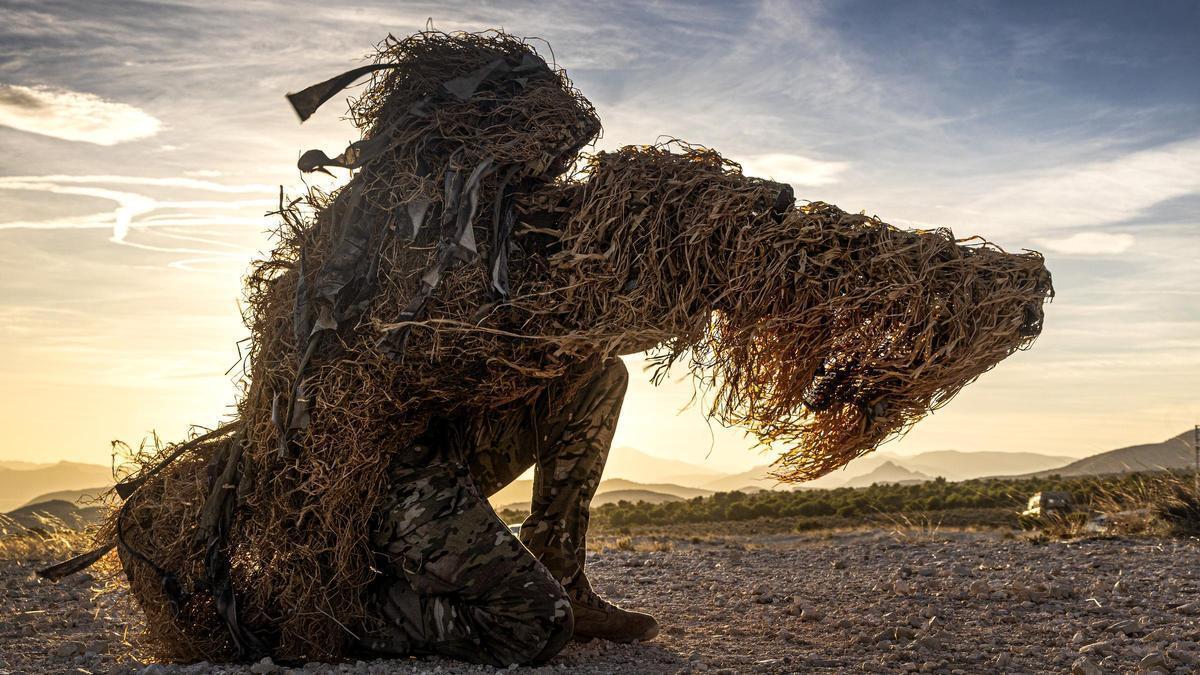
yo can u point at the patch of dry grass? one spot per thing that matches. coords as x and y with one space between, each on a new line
17 543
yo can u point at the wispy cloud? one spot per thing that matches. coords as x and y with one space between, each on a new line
795 169
1090 194
73 115
156 219
130 205
170 182
1090 243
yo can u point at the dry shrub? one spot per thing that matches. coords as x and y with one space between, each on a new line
1156 504
823 333
16 543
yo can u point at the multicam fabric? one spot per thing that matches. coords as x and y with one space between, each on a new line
456 581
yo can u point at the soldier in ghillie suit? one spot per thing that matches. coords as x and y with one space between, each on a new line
454 314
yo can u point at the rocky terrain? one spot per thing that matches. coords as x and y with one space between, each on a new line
865 602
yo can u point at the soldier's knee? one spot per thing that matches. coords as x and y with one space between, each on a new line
616 373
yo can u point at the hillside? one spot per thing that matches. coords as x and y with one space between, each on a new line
18 486
84 497
888 472
19 465
758 477
518 493
612 497
958 465
633 496
1173 453
56 515
680 491
633 464
952 465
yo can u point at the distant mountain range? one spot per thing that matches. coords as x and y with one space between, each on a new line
634 475
888 472
633 464
517 494
1174 453
19 485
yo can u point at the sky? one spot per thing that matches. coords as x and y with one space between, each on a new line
141 144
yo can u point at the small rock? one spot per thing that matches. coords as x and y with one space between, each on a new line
811 614
1096 647
901 587
1084 666
1153 660
263 667
67 649
928 643
1003 660
1126 627
154 669
980 588
1156 635
1181 657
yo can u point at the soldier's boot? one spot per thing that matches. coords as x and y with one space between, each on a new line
596 617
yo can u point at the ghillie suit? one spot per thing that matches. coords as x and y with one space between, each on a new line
475 261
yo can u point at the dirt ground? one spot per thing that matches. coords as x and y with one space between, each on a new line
887 602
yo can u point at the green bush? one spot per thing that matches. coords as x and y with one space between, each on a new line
876 503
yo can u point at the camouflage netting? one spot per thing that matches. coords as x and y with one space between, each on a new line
475 258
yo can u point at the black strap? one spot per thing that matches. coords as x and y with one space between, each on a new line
77 564
306 101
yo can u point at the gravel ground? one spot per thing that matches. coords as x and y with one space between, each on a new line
866 602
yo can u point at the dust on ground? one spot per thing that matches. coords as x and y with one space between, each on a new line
886 602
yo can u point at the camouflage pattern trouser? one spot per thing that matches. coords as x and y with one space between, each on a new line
456 581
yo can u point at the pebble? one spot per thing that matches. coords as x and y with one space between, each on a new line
68 649
1126 627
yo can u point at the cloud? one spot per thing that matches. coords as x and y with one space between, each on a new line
1096 193
794 169
73 115
171 182
152 218
1090 243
